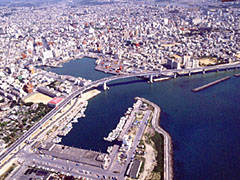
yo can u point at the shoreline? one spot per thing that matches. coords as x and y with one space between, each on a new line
168 150
107 71
83 99
89 94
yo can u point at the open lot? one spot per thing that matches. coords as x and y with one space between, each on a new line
207 61
38 98
90 94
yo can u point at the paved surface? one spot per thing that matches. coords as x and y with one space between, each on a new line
168 166
65 167
52 163
14 148
136 141
73 154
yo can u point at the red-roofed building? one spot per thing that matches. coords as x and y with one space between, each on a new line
54 102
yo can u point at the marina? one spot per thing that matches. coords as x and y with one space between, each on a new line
65 130
114 134
210 84
174 96
52 133
57 139
74 119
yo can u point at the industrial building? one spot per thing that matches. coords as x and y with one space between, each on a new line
54 102
134 169
47 91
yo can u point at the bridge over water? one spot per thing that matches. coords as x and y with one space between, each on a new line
15 147
165 73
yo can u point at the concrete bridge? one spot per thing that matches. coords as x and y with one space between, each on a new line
165 73
15 147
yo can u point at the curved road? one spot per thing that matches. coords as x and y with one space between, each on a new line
79 91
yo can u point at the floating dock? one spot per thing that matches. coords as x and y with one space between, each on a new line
210 84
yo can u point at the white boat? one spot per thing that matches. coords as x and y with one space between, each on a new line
57 139
75 120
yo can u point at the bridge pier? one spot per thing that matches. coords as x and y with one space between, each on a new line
105 86
151 79
175 75
203 71
189 73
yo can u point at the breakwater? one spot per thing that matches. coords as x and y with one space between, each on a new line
168 164
237 75
210 84
198 130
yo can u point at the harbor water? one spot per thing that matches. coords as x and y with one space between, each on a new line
204 125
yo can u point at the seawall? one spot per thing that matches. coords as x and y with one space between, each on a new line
168 161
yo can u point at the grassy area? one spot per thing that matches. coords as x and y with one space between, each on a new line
29 116
8 172
148 138
150 121
158 140
154 176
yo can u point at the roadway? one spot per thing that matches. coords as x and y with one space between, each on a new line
79 91
78 169
135 142
168 166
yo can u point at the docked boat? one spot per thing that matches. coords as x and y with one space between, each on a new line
65 130
113 135
75 120
57 139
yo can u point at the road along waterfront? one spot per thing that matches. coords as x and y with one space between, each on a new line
198 123
115 169
168 164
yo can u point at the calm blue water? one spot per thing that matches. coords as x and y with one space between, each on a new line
81 67
204 126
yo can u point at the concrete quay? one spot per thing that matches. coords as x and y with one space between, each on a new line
84 163
168 161
129 121
77 155
210 84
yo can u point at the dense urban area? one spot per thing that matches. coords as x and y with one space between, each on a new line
125 38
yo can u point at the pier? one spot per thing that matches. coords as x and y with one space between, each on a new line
237 75
210 84
130 120
168 161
